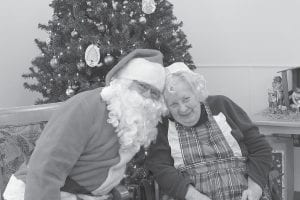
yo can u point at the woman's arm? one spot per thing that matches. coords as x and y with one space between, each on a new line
259 158
161 164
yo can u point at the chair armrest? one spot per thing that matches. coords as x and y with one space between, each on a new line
120 192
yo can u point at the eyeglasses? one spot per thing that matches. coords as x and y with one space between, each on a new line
146 90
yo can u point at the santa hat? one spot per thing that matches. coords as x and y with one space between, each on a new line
144 65
178 67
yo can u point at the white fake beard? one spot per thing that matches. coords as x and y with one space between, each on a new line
134 116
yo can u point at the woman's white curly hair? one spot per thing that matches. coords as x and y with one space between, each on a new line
195 80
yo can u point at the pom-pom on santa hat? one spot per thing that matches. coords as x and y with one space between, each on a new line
143 65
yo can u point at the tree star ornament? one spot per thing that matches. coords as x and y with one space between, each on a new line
92 55
148 6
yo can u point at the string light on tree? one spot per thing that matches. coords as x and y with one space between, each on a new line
61 54
132 21
104 5
80 65
70 92
114 4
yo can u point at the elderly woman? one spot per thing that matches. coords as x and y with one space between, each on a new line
208 149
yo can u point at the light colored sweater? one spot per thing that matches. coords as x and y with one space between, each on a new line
253 146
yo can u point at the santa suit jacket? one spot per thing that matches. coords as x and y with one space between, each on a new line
77 142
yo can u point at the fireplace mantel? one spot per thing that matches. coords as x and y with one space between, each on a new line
279 130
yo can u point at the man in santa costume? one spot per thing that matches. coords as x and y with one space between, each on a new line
92 136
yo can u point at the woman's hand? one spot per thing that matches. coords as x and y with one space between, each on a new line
253 192
193 194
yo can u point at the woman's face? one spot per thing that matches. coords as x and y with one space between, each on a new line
183 103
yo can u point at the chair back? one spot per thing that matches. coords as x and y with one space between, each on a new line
13 121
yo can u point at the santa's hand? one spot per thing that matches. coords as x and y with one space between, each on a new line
253 192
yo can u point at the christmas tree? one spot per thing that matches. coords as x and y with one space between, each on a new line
87 37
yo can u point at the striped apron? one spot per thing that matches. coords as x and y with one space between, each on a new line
210 162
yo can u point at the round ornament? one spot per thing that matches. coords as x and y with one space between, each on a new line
132 21
48 40
92 55
54 62
55 17
148 6
74 33
70 92
109 60
80 65
100 27
48 91
142 20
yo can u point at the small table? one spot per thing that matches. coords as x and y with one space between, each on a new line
279 129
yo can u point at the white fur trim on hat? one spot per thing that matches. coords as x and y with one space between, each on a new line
143 70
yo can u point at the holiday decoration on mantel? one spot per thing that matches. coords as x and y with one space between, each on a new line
88 37
284 99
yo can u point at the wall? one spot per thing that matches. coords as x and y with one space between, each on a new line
19 21
238 33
